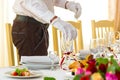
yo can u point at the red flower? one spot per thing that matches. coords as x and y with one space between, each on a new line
92 66
118 74
103 67
92 62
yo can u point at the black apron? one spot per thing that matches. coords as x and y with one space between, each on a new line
30 36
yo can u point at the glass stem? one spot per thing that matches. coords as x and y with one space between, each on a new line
52 67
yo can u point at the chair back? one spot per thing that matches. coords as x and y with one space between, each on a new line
11 51
99 27
78 42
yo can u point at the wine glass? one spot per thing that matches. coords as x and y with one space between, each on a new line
112 37
66 46
67 50
113 43
102 47
94 47
52 55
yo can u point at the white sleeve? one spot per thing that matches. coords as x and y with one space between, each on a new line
38 9
60 3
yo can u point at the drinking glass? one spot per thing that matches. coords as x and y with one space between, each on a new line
113 43
112 37
94 47
102 47
52 55
66 46
67 50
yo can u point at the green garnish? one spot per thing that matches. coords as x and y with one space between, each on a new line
49 78
19 71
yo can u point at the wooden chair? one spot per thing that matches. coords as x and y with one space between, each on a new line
99 27
13 61
78 42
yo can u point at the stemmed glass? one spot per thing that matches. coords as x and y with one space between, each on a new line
94 47
112 37
66 46
98 47
52 55
102 47
67 50
113 41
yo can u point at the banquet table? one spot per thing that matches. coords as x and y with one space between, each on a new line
58 73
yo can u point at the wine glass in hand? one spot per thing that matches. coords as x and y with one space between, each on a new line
66 46
67 49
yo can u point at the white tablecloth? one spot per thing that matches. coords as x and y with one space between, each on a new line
59 74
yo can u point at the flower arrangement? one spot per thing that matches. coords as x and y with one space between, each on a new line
99 69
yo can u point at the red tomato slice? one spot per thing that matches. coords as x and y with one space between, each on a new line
14 74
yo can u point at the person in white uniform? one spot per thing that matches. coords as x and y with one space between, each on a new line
29 31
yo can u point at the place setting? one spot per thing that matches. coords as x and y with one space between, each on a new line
23 73
31 66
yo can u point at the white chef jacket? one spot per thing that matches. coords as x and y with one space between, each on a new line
41 10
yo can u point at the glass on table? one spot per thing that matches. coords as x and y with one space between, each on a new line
101 44
97 47
67 51
113 43
52 55
112 37
93 47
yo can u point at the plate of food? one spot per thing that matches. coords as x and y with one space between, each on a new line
23 73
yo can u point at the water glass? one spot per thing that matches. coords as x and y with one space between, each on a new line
93 47
113 43
68 55
66 46
52 55
112 37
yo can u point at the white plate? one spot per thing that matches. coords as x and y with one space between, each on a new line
38 66
32 75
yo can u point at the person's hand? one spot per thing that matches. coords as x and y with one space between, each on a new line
74 7
69 31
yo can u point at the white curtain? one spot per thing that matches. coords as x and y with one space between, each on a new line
6 16
111 9
2 37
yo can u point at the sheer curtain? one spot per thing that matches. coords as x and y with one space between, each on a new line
6 16
111 9
1 35
117 16
114 12
91 9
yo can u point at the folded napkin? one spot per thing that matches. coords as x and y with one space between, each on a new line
82 54
38 60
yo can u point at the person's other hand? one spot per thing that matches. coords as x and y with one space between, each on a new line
75 7
69 31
